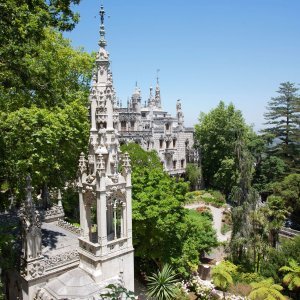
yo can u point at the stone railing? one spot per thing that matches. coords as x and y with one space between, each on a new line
52 214
68 226
116 245
288 232
175 171
61 259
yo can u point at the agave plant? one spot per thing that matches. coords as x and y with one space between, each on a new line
162 285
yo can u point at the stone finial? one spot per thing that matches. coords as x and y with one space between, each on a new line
82 164
102 41
126 162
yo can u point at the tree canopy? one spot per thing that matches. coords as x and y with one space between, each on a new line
219 133
164 232
44 124
283 115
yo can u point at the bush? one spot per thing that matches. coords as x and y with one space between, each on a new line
212 197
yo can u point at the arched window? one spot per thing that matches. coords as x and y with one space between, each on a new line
115 215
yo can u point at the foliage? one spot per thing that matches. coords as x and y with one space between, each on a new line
292 277
225 228
276 258
283 121
266 290
164 232
222 274
44 126
193 175
289 190
213 197
162 285
247 277
276 213
117 292
218 133
270 169
23 28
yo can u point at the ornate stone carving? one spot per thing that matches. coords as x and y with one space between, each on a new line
61 259
82 164
35 269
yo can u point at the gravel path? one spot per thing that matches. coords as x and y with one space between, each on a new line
217 219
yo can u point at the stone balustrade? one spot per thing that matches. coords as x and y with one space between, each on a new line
68 226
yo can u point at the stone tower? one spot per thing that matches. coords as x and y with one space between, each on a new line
105 249
104 184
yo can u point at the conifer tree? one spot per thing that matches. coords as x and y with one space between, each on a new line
283 120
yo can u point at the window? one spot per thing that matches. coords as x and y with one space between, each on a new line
167 126
123 125
143 115
167 145
132 125
174 164
174 143
182 163
161 142
115 220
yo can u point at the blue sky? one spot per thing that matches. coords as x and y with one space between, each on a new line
237 51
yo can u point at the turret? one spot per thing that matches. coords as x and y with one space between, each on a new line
136 100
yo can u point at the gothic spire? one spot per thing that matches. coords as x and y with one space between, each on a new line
157 92
102 41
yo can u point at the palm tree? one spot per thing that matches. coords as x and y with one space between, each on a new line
221 278
292 278
161 285
266 290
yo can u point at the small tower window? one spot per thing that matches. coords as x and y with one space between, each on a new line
174 164
132 125
161 142
123 125
182 163
167 126
174 143
167 145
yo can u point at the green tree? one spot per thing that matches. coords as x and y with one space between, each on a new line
218 133
289 190
164 231
283 117
276 213
278 257
193 175
266 290
222 275
292 277
43 132
23 26
162 285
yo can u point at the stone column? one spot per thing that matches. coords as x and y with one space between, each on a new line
83 216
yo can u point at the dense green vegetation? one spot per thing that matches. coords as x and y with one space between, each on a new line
164 232
248 167
43 132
